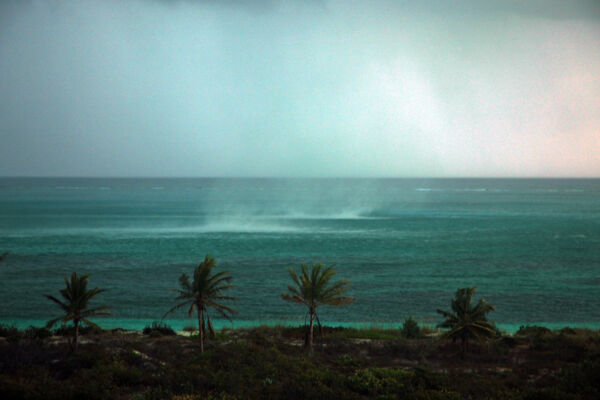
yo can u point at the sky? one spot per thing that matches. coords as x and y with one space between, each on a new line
289 88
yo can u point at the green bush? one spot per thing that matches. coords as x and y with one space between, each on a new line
37 333
69 330
533 331
15 389
410 328
158 328
377 381
582 379
341 333
122 374
10 332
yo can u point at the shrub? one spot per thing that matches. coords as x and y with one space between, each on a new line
377 381
123 374
410 328
37 333
533 331
13 388
68 330
582 379
10 332
158 329
341 333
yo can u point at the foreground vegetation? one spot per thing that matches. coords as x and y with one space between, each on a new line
269 363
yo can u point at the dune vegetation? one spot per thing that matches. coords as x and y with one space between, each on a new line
270 363
277 362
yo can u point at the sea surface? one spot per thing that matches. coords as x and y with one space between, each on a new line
531 246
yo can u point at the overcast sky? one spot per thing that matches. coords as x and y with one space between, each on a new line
300 88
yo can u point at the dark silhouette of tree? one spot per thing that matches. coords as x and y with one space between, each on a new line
203 292
75 301
313 289
467 321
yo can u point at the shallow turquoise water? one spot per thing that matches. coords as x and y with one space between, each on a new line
532 246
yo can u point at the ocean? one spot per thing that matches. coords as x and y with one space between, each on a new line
531 246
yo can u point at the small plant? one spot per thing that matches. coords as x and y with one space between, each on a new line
342 333
377 382
410 328
10 332
347 361
533 331
37 333
157 329
7 330
69 330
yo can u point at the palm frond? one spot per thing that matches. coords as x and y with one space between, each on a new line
467 320
204 289
178 306
52 322
76 297
219 306
313 287
62 305
90 323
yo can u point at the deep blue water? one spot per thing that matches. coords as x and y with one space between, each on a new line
532 246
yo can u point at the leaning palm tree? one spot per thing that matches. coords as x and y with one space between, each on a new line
467 321
313 289
75 304
204 291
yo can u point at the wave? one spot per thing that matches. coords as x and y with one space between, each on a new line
213 227
216 224
425 189
341 215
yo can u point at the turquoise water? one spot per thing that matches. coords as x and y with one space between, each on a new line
532 246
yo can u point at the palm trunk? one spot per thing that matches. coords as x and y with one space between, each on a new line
210 332
76 336
201 328
310 330
319 325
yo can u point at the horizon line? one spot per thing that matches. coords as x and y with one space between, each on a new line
285 177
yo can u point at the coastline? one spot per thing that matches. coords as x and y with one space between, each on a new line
180 324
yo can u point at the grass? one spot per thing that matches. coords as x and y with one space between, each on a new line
270 363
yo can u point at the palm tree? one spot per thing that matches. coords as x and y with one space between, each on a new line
204 291
313 289
467 321
75 305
